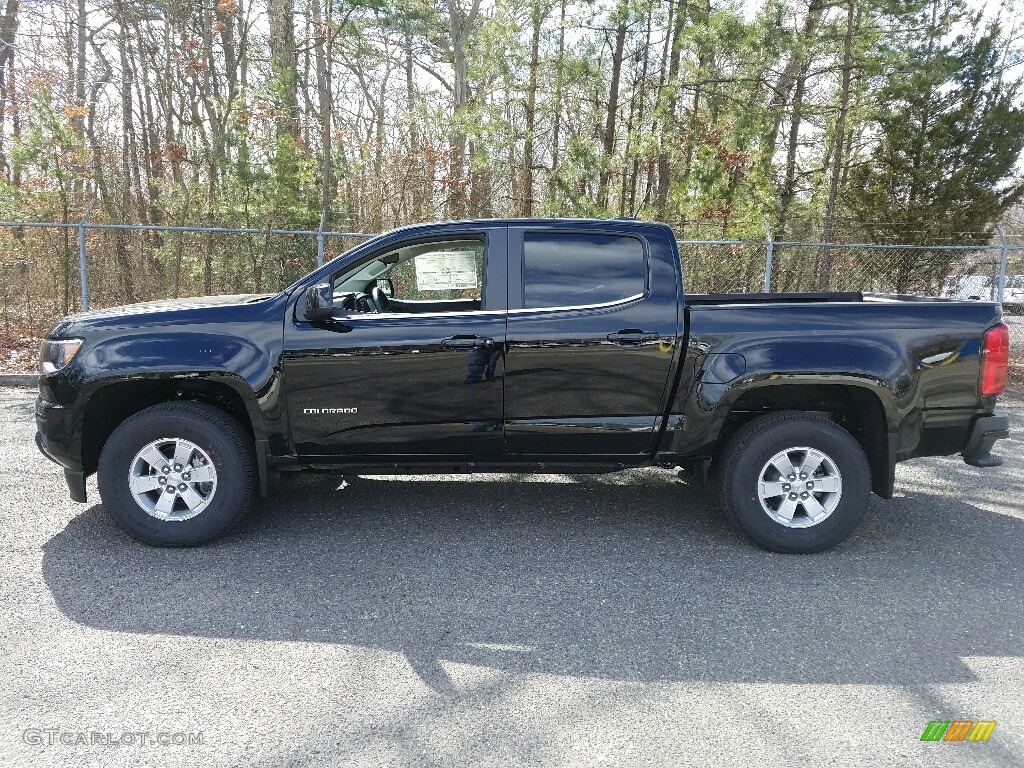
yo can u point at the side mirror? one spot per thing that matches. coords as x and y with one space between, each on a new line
319 302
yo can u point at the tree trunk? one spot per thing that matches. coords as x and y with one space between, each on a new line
526 185
78 120
669 132
556 130
322 55
8 32
152 156
789 183
701 14
795 66
462 25
636 118
825 268
129 139
611 117
285 65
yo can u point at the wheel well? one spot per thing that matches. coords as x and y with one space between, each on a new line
857 410
114 403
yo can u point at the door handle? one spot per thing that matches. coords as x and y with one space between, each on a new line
466 342
632 336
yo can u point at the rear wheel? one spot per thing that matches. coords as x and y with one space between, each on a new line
177 474
795 483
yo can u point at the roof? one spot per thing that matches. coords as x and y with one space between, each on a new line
535 222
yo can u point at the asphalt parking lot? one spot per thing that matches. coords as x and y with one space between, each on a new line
510 620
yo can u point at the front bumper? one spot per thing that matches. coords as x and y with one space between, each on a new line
75 478
984 432
58 440
56 434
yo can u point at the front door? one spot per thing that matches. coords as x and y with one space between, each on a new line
412 363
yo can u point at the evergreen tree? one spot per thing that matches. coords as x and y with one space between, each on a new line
952 132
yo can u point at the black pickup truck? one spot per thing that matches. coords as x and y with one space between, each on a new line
518 346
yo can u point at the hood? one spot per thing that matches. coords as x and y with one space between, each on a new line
164 312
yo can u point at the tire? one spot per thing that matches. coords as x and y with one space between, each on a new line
748 474
212 501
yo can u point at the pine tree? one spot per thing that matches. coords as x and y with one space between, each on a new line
952 132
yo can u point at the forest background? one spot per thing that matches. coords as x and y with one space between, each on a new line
878 121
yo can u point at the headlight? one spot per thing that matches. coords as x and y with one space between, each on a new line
54 354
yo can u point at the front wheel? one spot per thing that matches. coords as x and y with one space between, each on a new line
795 483
177 474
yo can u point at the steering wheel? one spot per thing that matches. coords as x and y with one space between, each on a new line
361 302
379 299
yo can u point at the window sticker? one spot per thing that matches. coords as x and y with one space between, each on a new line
446 270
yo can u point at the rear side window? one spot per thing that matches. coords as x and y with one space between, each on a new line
576 269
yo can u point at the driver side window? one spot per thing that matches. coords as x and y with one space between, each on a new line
439 276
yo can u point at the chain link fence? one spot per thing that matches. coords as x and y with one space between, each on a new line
48 270
41 267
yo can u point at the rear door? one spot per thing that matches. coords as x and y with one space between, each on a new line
424 378
593 314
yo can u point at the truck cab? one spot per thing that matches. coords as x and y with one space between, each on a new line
488 344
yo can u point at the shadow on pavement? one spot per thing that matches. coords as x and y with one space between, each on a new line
635 581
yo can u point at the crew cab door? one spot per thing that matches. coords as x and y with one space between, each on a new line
423 378
593 314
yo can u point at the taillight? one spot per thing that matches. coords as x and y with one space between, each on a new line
995 359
